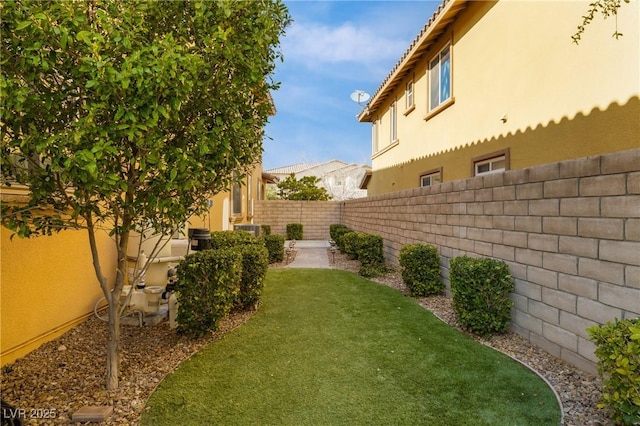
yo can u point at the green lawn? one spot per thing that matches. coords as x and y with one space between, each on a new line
328 347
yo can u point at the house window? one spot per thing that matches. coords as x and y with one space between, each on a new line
249 195
491 163
394 122
409 95
236 202
440 78
374 137
431 177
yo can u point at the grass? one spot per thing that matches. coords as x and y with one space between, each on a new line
328 347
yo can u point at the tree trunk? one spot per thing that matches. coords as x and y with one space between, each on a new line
113 344
112 296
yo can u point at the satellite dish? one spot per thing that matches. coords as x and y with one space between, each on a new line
360 96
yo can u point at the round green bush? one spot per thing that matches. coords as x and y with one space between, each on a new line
275 247
480 290
420 266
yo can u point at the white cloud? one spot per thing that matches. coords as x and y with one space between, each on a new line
316 44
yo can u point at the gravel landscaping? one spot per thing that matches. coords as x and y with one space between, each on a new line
68 373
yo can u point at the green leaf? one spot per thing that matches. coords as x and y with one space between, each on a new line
22 25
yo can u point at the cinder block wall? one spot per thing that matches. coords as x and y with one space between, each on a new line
315 216
570 232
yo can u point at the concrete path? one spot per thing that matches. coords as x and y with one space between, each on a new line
310 254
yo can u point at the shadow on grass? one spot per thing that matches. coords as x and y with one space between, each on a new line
328 347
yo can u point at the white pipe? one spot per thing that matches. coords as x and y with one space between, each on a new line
166 259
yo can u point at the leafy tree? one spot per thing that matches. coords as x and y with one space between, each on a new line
126 116
304 189
606 8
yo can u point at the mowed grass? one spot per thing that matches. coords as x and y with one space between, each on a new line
328 347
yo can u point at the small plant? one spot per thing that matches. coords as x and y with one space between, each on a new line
480 290
266 229
420 264
275 247
618 349
207 289
294 231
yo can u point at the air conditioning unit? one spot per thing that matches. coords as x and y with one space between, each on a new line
254 229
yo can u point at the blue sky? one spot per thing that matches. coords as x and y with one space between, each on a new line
331 49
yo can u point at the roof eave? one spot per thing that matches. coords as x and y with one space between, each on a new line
442 17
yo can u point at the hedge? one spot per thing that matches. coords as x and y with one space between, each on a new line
207 289
226 239
294 231
337 231
618 351
420 266
480 291
275 247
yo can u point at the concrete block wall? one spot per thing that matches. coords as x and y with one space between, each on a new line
315 216
570 232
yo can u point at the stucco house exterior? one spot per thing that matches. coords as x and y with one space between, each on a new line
48 284
491 86
340 179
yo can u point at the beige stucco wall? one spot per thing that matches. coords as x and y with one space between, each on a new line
220 216
516 58
47 286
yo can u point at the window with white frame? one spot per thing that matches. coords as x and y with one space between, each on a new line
394 121
491 165
409 95
440 78
431 178
374 137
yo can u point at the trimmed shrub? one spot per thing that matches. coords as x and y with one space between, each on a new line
275 247
350 242
335 229
480 290
266 229
294 231
370 249
207 289
338 232
225 239
371 255
618 351
255 263
420 265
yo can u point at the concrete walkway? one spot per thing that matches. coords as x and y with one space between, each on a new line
310 254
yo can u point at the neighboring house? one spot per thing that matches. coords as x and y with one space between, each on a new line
491 86
48 284
340 179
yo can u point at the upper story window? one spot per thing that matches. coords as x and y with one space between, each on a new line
440 78
409 95
491 163
394 121
431 177
375 147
